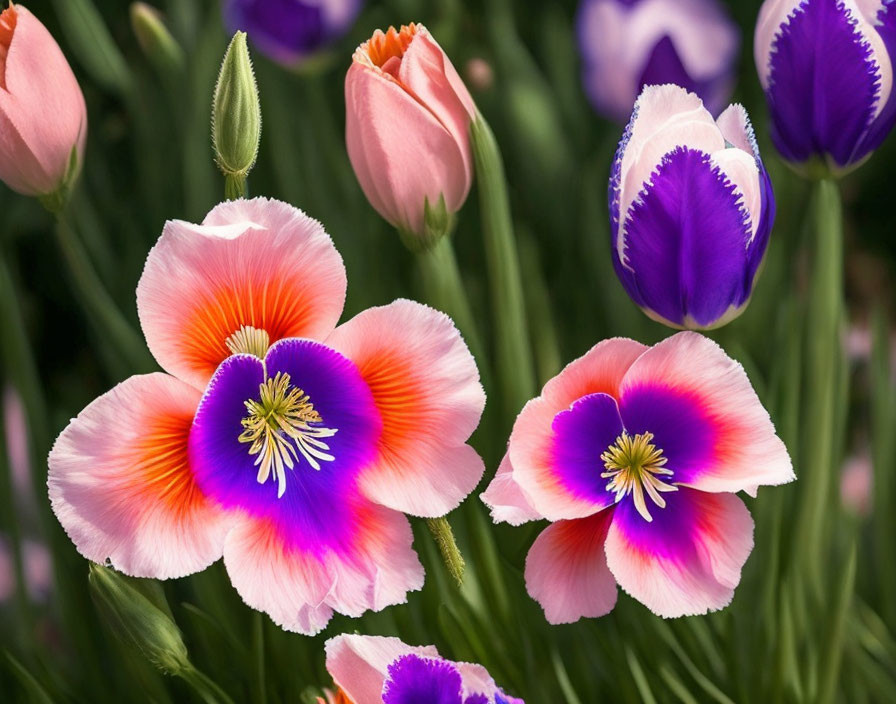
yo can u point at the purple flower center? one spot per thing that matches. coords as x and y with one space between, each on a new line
413 679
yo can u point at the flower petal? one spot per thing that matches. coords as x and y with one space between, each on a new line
704 415
566 569
121 484
599 371
413 680
426 388
506 499
359 664
259 263
688 560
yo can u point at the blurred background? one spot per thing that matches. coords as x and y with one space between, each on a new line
149 159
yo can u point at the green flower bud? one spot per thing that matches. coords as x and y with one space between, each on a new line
137 614
156 41
236 116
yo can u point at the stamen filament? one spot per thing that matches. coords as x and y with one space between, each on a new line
634 466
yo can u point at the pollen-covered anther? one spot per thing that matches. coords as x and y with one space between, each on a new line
280 425
634 466
249 340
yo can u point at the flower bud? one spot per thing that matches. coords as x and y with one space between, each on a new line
627 44
291 31
691 209
407 129
43 118
236 112
154 38
827 72
137 621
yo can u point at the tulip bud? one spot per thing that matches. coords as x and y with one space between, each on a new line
408 118
137 621
691 210
43 118
627 44
156 41
291 31
236 116
827 72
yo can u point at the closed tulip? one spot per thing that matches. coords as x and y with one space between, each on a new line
627 44
827 70
43 118
691 209
408 117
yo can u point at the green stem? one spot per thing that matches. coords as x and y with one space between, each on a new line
444 537
515 368
205 687
824 359
235 186
258 651
444 290
105 315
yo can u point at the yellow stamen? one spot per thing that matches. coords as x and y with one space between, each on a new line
249 340
279 424
634 466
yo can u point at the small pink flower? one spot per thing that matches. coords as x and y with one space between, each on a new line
43 118
635 454
378 670
408 118
857 483
286 444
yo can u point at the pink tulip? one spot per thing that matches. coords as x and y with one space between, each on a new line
43 118
408 117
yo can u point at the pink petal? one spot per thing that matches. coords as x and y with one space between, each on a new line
300 591
599 371
400 163
505 498
688 560
426 386
259 263
121 486
42 112
566 569
743 449
359 664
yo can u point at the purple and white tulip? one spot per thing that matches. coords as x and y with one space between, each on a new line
827 70
691 209
627 44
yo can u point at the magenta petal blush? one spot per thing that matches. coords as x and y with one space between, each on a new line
635 454
287 445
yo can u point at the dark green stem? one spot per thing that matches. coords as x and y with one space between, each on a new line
235 186
205 687
258 652
515 368
444 537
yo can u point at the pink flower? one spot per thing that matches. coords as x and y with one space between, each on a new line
857 484
408 118
635 454
286 444
378 670
43 119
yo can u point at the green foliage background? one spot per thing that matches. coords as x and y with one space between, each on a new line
815 615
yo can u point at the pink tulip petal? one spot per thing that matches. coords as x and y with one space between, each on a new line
259 263
400 163
506 499
121 485
426 386
688 560
42 112
531 445
705 416
300 589
566 569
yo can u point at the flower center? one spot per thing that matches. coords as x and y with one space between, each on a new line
8 19
249 340
386 49
281 425
634 465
